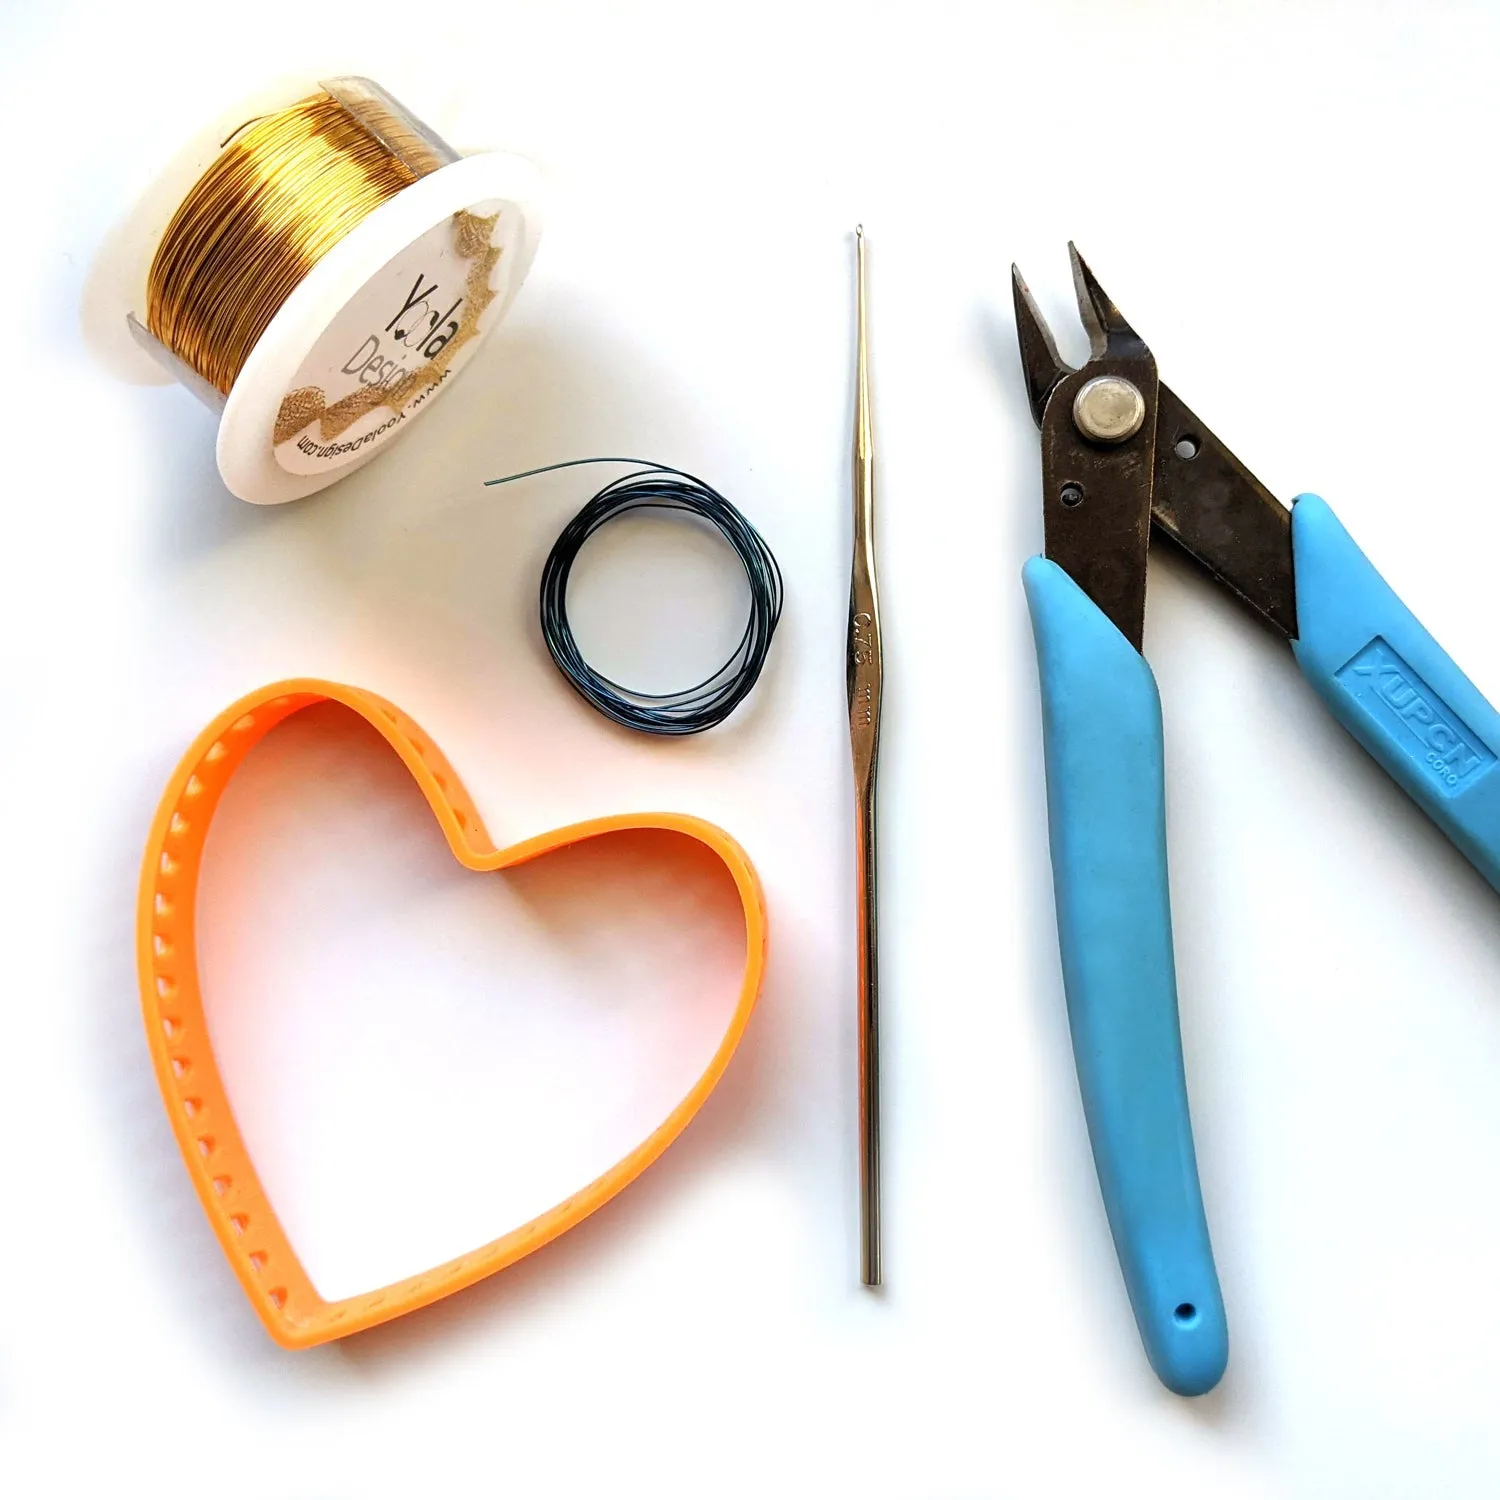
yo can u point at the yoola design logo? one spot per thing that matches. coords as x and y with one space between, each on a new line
1398 700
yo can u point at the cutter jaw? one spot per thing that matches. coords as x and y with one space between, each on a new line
1096 495
1109 333
1041 364
1101 502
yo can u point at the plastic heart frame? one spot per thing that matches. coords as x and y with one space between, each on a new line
193 1091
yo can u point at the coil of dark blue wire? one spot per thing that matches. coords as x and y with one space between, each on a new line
653 486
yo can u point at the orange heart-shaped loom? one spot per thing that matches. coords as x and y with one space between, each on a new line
193 1090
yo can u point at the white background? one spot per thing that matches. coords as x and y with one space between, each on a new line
1294 204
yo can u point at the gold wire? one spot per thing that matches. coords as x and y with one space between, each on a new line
283 192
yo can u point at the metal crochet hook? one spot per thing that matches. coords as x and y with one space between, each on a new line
864 740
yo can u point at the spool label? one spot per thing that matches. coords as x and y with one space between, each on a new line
406 332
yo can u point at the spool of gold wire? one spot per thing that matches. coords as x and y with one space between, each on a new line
286 189
327 264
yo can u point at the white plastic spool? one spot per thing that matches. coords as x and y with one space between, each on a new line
404 247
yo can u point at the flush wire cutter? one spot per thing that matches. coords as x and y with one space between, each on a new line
1124 459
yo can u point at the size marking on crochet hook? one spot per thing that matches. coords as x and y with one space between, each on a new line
1395 696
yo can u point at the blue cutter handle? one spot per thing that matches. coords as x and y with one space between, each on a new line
1393 687
1101 723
